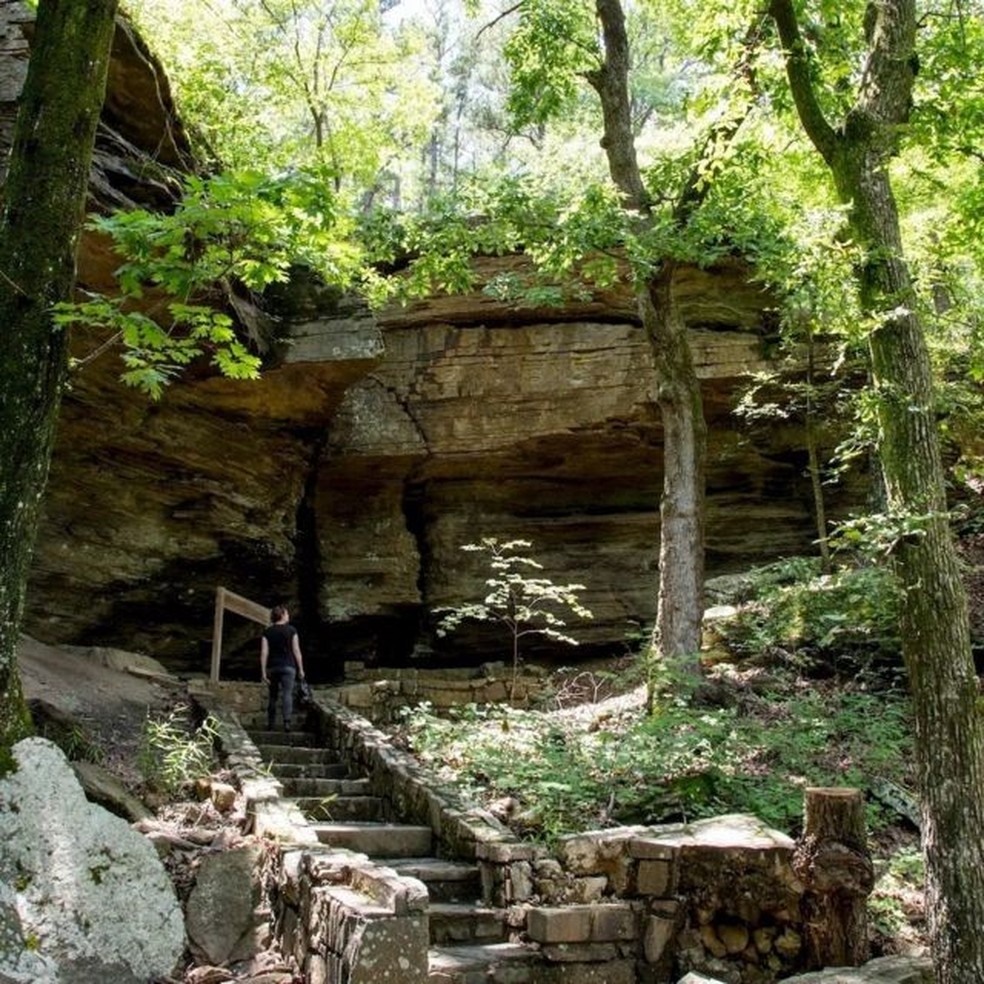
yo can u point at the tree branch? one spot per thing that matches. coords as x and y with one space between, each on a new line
885 93
500 17
611 82
820 132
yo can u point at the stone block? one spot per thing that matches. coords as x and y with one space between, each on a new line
884 970
580 952
503 851
650 848
520 882
658 933
569 924
656 878
613 922
611 972
590 888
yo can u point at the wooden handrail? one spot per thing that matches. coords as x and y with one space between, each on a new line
238 605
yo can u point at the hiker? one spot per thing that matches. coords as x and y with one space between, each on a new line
280 658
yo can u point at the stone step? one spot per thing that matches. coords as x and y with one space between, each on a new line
280 737
298 754
378 840
256 720
459 922
446 881
306 785
339 809
492 963
304 770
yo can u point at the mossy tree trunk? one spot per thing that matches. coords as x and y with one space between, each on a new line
934 624
44 200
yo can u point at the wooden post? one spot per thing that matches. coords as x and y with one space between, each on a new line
225 599
833 862
217 633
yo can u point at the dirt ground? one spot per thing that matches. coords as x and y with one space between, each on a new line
107 693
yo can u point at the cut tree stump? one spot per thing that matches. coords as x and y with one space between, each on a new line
833 862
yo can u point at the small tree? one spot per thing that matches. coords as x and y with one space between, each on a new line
524 605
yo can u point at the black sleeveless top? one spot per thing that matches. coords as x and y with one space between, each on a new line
280 639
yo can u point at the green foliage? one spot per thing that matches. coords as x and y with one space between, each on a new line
555 41
233 228
172 754
72 740
288 82
848 615
902 881
523 604
685 761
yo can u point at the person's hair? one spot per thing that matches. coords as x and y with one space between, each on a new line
276 614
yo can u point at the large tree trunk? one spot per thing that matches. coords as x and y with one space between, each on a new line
934 624
680 607
44 201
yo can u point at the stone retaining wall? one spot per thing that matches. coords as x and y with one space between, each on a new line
381 694
623 905
717 896
339 915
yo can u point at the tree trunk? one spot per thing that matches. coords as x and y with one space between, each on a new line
680 607
934 624
833 862
44 200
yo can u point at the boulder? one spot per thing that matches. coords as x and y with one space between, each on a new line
102 787
83 897
225 918
884 970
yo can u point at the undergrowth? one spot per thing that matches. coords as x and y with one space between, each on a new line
174 753
686 761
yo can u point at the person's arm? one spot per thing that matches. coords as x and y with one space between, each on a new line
264 653
298 658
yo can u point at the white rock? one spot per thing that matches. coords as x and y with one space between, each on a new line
83 897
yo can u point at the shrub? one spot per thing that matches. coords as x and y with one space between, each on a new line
683 762
847 618
524 605
173 754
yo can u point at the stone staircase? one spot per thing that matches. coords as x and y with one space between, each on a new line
470 941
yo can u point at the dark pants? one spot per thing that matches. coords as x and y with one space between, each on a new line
282 686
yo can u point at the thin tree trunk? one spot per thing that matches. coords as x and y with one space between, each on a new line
813 454
44 201
679 613
934 624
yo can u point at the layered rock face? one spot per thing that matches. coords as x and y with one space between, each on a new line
346 480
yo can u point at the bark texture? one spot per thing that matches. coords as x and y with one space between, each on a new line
44 200
934 623
834 864
680 606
